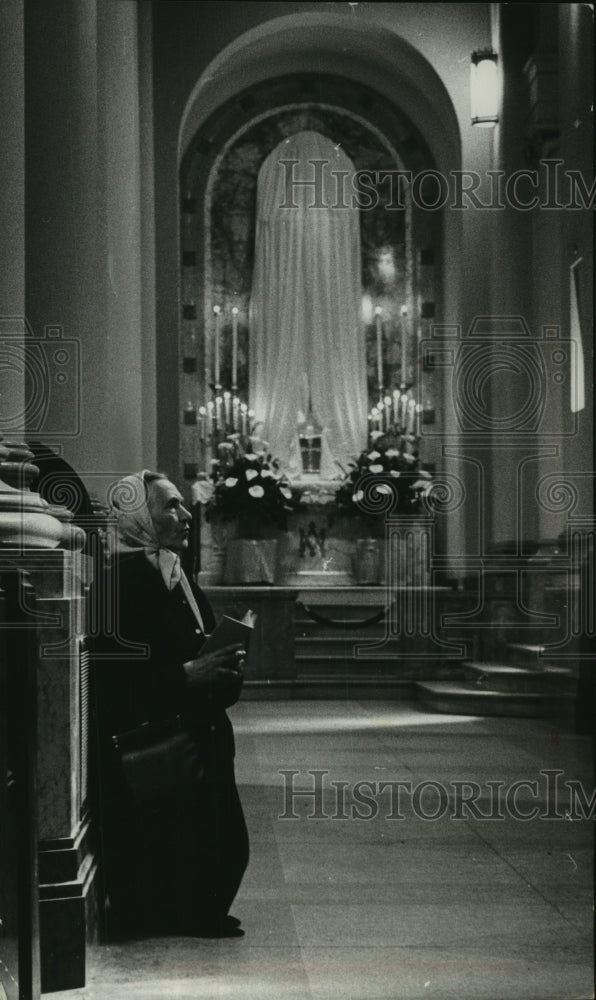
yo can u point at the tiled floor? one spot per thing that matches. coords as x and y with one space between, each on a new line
369 907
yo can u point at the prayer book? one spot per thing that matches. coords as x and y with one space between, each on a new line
229 632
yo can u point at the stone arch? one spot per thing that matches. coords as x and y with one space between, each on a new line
372 55
313 42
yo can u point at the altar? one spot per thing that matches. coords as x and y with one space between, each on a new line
302 366
320 548
301 361
345 642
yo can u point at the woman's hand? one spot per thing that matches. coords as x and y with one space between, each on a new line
227 662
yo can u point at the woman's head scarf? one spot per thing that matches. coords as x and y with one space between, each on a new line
135 529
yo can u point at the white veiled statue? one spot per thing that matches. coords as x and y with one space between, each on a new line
307 347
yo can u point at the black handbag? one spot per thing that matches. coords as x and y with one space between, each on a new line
158 761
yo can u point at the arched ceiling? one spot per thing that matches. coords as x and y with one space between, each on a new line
322 42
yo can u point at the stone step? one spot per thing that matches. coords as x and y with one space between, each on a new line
506 677
322 645
536 655
330 688
569 586
335 665
406 668
312 630
345 611
459 698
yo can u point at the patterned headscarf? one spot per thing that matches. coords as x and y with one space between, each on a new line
135 529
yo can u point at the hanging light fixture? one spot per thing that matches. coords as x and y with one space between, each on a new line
484 88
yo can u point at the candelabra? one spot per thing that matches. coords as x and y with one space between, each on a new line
397 414
226 413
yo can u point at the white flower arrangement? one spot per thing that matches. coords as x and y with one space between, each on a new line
249 483
387 472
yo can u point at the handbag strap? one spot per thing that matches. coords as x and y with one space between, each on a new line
147 733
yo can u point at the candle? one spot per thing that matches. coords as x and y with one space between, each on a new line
217 311
404 343
202 415
251 416
227 405
404 410
418 412
379 327
234 347
235 409
190 414
218 402
210 415
411 413
396 407
243 418
387 402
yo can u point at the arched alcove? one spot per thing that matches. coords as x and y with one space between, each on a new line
366 55
401 243
325 42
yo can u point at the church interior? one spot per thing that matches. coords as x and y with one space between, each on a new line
328 267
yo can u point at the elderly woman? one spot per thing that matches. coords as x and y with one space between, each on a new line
175 844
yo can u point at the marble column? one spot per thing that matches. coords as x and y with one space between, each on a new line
12 214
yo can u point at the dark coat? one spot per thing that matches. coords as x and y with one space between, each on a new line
140 677
194 861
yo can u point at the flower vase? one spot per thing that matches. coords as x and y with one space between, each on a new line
214 542
251 561
251 558
369 565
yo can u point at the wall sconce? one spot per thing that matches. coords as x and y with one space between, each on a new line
484 88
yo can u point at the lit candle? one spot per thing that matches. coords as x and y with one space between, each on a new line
411 413
202 415
227 405
418 412
210 415
404 343
375 418
404 410
218 402
235 409
234 347
387 402
396 407
379 327
216 345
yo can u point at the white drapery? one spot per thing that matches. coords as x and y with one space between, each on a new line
307 345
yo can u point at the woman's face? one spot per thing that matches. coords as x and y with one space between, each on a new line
170 517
